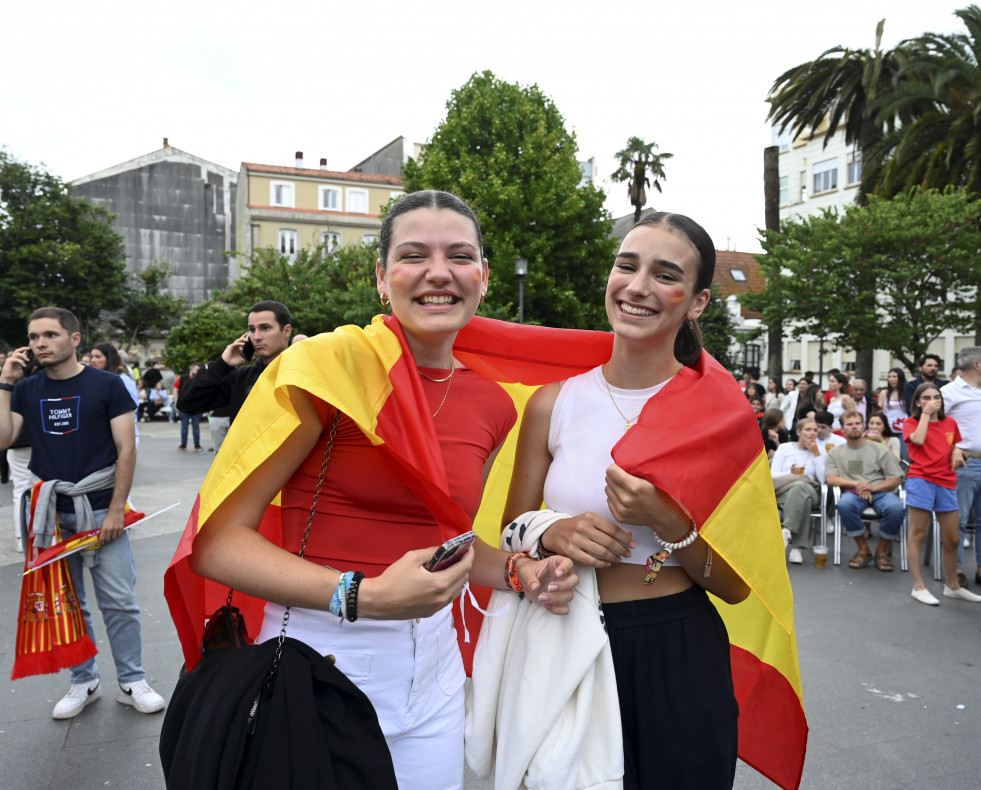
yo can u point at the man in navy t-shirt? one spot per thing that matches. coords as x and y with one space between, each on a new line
80 420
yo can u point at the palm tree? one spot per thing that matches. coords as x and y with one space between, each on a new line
940 93
635 161
839 87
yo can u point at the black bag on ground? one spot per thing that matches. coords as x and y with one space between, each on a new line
312 727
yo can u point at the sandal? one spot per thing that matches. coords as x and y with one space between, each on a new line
883 563
860 560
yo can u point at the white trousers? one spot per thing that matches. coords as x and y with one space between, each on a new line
412 673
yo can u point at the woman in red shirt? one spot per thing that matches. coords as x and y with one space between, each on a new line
931 487
361 592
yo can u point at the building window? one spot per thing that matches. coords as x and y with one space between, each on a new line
738 275
368 239
281 194
357 201
781 139
288 243
330 240
784 190
826 175
854 169
330 199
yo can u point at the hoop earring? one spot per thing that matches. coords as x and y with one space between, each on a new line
385 301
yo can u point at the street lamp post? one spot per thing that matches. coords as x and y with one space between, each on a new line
521 269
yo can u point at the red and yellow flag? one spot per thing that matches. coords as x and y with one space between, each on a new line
50 627
370 376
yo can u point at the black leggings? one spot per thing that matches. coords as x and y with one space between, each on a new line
674 680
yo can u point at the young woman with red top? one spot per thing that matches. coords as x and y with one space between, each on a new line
931 488
399 644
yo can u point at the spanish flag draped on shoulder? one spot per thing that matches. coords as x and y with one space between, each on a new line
369 375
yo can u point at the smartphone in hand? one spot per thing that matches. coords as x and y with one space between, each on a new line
248 350
451 552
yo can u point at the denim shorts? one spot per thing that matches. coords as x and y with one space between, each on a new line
929 496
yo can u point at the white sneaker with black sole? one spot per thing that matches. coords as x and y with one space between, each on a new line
140 696
74 702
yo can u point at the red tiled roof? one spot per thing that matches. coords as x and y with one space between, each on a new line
725 262
316 172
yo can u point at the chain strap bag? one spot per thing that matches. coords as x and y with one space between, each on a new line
277 714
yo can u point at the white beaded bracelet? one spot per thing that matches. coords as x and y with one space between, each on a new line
690 538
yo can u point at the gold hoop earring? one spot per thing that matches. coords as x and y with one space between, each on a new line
383 298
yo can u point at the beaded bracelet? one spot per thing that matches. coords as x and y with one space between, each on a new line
685 541
511 571
351 600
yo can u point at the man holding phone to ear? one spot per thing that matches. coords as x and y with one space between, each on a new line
227 380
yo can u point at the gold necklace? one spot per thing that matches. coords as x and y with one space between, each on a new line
440 381
627 419
437 381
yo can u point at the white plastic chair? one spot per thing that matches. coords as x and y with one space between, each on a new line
870 515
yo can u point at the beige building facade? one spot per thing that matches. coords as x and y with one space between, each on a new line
294 208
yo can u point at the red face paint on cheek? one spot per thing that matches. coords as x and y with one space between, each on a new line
676 297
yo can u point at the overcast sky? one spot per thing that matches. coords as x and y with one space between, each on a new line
89 85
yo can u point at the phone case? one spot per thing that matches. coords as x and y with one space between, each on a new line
451 552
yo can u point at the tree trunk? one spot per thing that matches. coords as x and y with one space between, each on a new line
771 218
863 368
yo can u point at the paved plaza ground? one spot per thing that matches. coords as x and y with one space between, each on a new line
892 688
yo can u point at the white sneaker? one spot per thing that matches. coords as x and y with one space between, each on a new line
786 537
925 596
140 696
960 592
74 702
795 557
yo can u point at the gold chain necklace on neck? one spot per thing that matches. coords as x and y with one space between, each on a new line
448 379
627 419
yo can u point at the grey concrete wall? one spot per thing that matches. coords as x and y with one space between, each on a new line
178 212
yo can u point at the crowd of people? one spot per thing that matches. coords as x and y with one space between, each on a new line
872 448
397 408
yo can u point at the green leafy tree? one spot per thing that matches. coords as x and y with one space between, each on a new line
717 331
323 290
149 309
55 249
204 333
913 258
504 148
940 94
841 87
636 161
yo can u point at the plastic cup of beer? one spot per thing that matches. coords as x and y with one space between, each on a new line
796 469
820 556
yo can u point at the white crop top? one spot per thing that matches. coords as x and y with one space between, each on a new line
585 426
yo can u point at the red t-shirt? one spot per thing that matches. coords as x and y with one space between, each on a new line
930 461
367 517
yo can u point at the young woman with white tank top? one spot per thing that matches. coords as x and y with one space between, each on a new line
670 648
